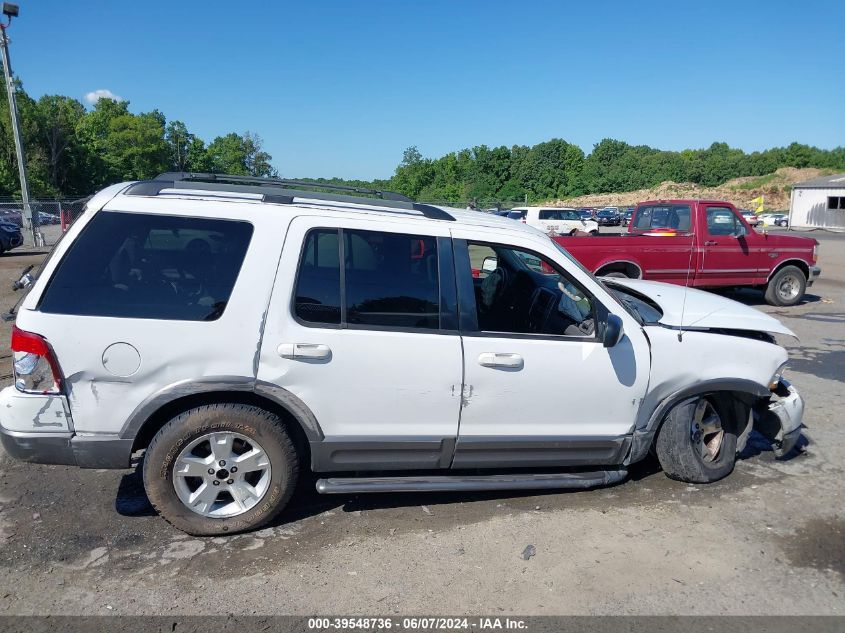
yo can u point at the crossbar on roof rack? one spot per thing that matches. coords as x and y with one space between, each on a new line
279 191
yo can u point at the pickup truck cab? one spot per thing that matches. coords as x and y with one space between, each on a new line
702 243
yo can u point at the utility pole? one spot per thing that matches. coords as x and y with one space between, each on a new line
30 222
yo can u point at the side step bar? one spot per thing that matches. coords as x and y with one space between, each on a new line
470 483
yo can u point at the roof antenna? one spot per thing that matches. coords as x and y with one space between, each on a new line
686 283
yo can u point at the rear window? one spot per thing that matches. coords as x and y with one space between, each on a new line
389 280
145 266
671 216
516 215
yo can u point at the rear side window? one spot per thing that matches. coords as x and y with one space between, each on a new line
388 280
671 216
146 266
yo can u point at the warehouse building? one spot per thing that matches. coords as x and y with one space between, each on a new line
818 203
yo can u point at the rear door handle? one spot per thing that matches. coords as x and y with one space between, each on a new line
492 359
304 350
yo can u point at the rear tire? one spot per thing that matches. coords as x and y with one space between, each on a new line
697 441
786 287
207 442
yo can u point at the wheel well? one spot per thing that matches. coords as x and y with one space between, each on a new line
629 269
798 263
168 411
739 401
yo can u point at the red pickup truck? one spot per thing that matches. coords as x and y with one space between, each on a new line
702 243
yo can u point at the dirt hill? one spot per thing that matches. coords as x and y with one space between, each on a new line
775 189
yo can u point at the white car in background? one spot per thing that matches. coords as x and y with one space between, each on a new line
554 220
775 219
752 218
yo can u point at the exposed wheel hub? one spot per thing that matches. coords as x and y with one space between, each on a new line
221 474
707 432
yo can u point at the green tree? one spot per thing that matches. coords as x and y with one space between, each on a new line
135 147
179 142
239 155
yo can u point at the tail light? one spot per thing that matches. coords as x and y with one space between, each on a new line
35 364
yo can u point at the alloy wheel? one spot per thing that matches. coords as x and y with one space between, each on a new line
221 474
707 432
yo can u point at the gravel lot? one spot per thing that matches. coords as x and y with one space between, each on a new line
770 539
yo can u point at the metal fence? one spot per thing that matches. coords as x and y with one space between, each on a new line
53 216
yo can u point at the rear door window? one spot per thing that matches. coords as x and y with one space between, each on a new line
318 282
388 280
145 266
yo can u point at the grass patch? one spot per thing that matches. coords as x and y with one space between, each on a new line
756 183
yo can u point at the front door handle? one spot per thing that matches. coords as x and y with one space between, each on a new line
492 359
710 243
304 350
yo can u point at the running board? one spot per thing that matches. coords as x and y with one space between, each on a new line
470 483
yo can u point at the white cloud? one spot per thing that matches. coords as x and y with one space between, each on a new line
102 93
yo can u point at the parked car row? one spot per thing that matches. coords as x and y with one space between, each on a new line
13 216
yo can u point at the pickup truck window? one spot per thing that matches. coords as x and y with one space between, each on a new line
722 221
666 216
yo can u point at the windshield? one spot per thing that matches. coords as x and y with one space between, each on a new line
640 307
634 304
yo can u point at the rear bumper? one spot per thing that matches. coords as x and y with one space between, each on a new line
38 428
815 271
67 448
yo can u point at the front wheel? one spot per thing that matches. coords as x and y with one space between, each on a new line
221 469
697 441
786 287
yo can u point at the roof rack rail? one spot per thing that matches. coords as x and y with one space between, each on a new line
278 182
280 191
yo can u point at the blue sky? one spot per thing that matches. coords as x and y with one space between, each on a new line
341 88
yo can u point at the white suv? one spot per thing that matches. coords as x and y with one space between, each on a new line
241 331
554 220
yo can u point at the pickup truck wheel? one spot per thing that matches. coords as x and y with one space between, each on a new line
787 287
617 275
221 469
697 442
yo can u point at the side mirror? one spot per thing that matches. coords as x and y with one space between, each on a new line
489 264
612 330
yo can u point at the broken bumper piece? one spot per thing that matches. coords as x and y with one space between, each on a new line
781 420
